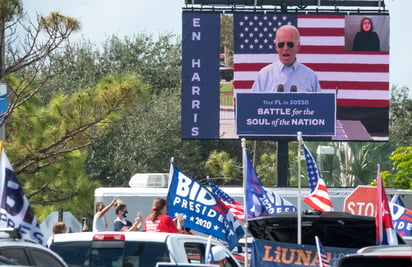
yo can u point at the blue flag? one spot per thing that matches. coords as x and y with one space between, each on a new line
202 210
260 201
396 199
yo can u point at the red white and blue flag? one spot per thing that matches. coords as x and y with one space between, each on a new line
14 205
385 233
203 211
319 196
362 78
237 209
402 219
260 201
323 259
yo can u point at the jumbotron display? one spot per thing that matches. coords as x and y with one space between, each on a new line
337 90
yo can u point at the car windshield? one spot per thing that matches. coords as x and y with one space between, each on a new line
103 254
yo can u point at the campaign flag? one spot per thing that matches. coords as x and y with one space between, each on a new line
234 206
319 196
323 259
361 78
385 233
402 219
203 211
260 201
14 205
397 200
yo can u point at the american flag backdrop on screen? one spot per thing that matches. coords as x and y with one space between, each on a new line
360 78
319 196
234 206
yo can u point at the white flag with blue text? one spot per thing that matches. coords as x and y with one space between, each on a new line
14 206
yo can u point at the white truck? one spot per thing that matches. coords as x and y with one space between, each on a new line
145 187
144 249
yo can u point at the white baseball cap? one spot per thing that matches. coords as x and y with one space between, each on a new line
218 253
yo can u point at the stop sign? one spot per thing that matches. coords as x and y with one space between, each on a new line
362 201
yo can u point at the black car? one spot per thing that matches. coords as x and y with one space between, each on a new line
334 229
226 73
379 256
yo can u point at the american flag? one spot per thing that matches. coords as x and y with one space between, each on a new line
319 196
234 206
385 233
362 78
323 259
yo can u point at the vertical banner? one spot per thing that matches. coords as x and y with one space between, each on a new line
200 75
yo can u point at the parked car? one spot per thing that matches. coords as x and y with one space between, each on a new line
379 256
334 229
19 251
146 249
226 73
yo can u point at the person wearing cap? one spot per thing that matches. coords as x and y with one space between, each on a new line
219 256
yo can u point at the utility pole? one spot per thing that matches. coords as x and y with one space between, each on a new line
3 85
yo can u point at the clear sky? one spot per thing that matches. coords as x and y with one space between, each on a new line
102 18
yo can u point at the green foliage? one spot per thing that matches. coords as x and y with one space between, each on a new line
226 38
46 143
146 139
220 164
81 65
157 62
267 169
401 117
9 9
63 185
400 176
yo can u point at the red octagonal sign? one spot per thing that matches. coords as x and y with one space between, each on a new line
362 201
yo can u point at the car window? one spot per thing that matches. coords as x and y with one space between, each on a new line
75 254
15 254
139 254
194 252
43 259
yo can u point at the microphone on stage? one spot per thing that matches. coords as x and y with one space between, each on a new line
293 89
281 88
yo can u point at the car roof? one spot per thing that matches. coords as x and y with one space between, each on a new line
388 250
11 238
334 229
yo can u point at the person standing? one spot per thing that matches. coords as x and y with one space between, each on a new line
99 219
286 74
121 223
158 221
366 39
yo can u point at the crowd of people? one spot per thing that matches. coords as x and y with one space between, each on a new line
157 221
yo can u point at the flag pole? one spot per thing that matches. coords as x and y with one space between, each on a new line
379 213
319 252
245 226
299 136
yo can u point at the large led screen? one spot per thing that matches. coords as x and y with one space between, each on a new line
222 55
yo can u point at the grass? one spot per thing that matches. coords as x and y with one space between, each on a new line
226 94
